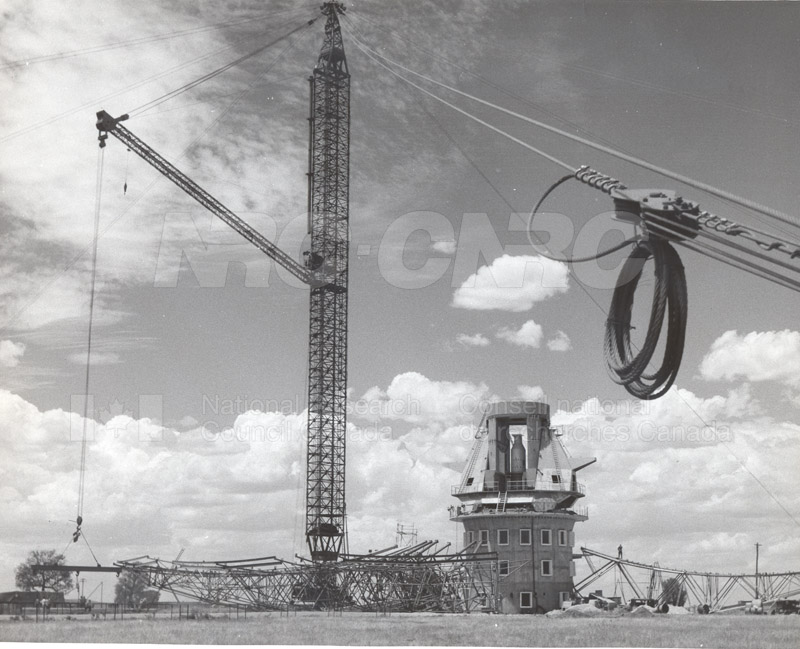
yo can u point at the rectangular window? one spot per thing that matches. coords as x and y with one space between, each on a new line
502 537
484 537
547 568
524 537
526 600
562 537
563 596
503 568
546 537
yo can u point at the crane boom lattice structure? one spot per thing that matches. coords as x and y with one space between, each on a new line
328 188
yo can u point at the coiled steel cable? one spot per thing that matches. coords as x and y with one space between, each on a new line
627 366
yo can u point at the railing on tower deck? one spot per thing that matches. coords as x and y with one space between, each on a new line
545 484
458 511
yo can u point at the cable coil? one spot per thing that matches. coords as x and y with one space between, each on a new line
627 367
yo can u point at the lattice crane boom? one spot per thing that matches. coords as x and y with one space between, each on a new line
107 124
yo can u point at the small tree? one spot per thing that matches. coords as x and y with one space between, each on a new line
131 591
675 594
28 579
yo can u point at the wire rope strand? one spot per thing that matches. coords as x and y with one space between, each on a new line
571 260
190 31
92 291
132 86
530 147
224 68
686 180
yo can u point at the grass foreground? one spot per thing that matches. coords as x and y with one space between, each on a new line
762 632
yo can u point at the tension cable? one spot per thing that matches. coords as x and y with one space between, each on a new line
82 473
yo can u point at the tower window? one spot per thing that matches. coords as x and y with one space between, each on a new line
502 537
526 600
546 537
503 568
484 537
562 537
524 537
547 568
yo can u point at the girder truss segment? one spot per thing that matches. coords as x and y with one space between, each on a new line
329 162
711 588
421 579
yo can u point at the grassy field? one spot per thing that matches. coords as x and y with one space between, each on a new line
762 632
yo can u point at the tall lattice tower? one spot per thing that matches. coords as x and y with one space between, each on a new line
328 198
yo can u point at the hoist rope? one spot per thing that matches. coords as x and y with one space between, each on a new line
210 75
92 291
686 180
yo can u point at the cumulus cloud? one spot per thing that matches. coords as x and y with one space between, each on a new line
697 461
11 353
756 356
528 335
512 283
414 398
531 392
474 340
237 491
559 343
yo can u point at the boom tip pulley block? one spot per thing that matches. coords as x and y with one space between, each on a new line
106 124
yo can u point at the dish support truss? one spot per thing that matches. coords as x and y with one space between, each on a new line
419 578
719 591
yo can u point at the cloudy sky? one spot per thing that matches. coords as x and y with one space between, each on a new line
199 357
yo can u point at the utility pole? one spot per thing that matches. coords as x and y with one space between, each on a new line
758 545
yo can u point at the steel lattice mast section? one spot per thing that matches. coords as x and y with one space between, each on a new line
328 178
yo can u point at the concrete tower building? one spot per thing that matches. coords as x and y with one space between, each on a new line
517 498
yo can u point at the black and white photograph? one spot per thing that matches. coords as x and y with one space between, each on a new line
436 322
